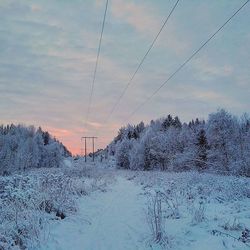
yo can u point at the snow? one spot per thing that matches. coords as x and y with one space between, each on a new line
110 220
68 162
117 217
107 209
220 145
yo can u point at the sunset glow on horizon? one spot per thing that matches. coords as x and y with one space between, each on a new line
48 52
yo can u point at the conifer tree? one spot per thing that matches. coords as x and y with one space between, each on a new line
202 147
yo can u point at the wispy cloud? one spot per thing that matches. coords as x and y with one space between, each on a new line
207 70
145 19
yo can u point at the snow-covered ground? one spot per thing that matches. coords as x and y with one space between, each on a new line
87 207
107 220
198 212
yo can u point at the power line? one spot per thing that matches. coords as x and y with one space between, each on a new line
141 62
96 63
186 61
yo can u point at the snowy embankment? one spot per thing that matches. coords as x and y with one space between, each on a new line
156 210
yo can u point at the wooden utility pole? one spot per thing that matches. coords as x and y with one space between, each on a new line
85 149
93 146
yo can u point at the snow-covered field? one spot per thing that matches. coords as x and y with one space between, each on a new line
109 209
199 211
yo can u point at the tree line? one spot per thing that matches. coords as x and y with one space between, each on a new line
220 144
24 147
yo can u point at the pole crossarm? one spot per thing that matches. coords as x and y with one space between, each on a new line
89 137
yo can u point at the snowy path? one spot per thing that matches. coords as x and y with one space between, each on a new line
105 221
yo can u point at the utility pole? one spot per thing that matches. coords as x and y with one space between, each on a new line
93 146
85 150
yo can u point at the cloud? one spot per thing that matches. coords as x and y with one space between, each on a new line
137 15
59 133
207 70
94 125
146 19
36 8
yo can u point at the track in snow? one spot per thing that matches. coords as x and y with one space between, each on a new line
105 221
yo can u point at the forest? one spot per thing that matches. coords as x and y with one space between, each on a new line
23 148
221 144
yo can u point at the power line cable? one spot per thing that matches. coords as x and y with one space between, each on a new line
140 64
186 61
96 64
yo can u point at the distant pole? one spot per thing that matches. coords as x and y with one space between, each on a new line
93 146
85 149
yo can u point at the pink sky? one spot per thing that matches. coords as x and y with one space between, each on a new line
72 138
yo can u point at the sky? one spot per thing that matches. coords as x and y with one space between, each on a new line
48 51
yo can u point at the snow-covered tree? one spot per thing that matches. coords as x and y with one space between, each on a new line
221 132
221 144
202 150
137 156
122 154
25 147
